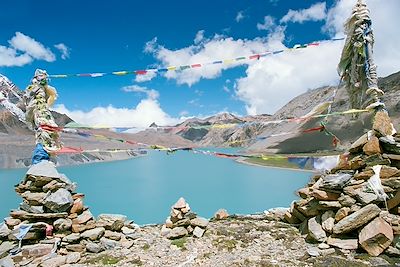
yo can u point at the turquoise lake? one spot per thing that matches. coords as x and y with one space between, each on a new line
145 188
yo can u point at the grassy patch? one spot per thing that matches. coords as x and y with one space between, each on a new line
104 260
222 243
180 243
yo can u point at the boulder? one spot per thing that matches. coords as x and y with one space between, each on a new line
73 257
315 231
72 238
357 219
93 234
343 243
221 214
54 262
376 236
31 209
113 222
44 169
335 181
23 215
37 250
59 201
93 247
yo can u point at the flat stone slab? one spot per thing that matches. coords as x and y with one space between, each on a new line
23 215
44 168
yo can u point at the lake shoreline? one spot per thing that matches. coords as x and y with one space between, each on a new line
243 161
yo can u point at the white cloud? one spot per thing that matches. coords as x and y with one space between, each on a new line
151 93
23 50
268 24
65 51
240 16
145 77
150 46
316 12
199 37
141 116
31 47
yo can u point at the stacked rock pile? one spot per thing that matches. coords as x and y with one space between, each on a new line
53 219
356 205
182 222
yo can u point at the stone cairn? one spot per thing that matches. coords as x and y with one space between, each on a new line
61 226
182 222
340 209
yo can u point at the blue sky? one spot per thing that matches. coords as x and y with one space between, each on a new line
105 36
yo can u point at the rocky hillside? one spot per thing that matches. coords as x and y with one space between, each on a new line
346 128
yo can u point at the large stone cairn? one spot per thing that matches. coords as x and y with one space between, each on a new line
62 227
339 209
182 222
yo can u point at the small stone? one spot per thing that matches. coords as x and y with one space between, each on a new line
329 251
376 236
4 231
392 251
392 182
112 235
59 201
190 229
324 195
11 222
128 232
198 232
72 238
315 231
335 181
76 248
290 218
31 209
354 208
341 213
6 262
73 257
93 247
78 228
328 221
330 205
365 175
201 222
304 192
169 223
358 144
165 230
323 246
372 146
180 204
394 201
383 124
77 207
347 201
93 234
62 224
83 218
109 244
5 247
177 233
113 222
388 172
54 262
376 159
364 197
221 214
313 251
351 244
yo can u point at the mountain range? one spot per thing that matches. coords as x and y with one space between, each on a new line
252 133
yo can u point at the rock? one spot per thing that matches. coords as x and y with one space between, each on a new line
183 222
358 144
169 223
177 233
329 251
347 201
390 146
113 235
323 246
198 232
329 205
83 218
392 182
376 236
290 218
34 199
73 257
396 241
383 124
364 197
165 230
94 247
309 208
113 222
93 234
5 247
351 244
376 159
37 250
31 209
392 251
341 213
77 207
11 222
365 175
328 221
76 248
78 228
72 238
323 195
200 222
6 262
335 181
54 185
372 146
394 201
315 231
44 169
351 190
109 244
354 208
4 231
388 172
313 251
357 163
59 201
221 214
357 219
62 224
295 212
54 262
304 192
180 204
